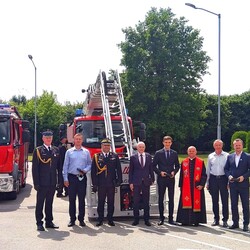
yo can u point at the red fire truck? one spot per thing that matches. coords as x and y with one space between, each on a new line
104 115
14 145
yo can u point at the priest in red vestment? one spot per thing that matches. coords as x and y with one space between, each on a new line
192 207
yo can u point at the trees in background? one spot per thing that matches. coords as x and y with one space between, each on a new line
164 64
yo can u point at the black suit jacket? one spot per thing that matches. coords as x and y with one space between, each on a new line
160 162
137 173
110 177
45 174
243 169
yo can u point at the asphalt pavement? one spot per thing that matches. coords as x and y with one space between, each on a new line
18 230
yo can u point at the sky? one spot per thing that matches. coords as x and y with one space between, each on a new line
72 40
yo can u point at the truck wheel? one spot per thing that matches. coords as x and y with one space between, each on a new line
12 195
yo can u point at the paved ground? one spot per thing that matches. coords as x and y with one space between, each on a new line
18 230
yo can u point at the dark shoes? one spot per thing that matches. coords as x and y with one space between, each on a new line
71 224
59 195
82 224
135 223
40 228
171 222
100 223
51 225
225 224
245 228
234 226
215 223
111 223
161 222
147 223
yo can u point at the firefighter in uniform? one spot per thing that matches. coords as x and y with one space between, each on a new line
45 165
106 174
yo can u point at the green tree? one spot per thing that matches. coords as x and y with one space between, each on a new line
164 64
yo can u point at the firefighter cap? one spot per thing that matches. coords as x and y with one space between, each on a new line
106 141
47 133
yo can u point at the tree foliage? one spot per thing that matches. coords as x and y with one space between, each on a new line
164 64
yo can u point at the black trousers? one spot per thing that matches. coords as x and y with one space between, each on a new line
104 192
163 183
44 195
138 191
77 188
218 186
235 192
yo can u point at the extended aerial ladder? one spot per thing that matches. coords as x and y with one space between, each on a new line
105 97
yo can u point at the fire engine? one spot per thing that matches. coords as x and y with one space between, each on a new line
104 115
14 145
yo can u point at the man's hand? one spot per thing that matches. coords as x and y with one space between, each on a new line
172 174
131 186
241 178
199 187
163 174
66 183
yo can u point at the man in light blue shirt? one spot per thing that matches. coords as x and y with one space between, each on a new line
217 182
76 164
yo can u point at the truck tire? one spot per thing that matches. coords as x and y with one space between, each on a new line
12 195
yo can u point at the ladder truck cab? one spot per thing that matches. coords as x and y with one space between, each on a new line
104 115
14 146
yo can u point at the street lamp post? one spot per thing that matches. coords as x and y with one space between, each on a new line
35 131
219 46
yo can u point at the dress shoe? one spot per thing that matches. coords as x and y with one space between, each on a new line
135 222
161 222
100 223
71 224
196 224
59 195
51 225
171 222
245 228
225 224
234 226
82 224
111 223
215 223
40 228
147 223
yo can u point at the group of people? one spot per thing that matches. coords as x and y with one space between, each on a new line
225 173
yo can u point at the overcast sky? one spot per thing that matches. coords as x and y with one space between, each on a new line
71 40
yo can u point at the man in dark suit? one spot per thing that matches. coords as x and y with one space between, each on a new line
45 164
141 176
166 165
106 174
62 151
237 169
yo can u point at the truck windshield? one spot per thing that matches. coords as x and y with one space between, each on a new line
94 131
4 131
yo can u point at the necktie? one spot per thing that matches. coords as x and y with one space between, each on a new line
168 154
142 165
49 149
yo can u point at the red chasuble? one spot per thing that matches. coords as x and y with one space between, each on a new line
186 188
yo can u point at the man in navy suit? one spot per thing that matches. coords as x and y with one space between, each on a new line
166 165
237 169
141 176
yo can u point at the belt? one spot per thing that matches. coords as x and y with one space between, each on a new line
217 176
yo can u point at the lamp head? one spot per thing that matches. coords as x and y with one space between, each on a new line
30 57
190 5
